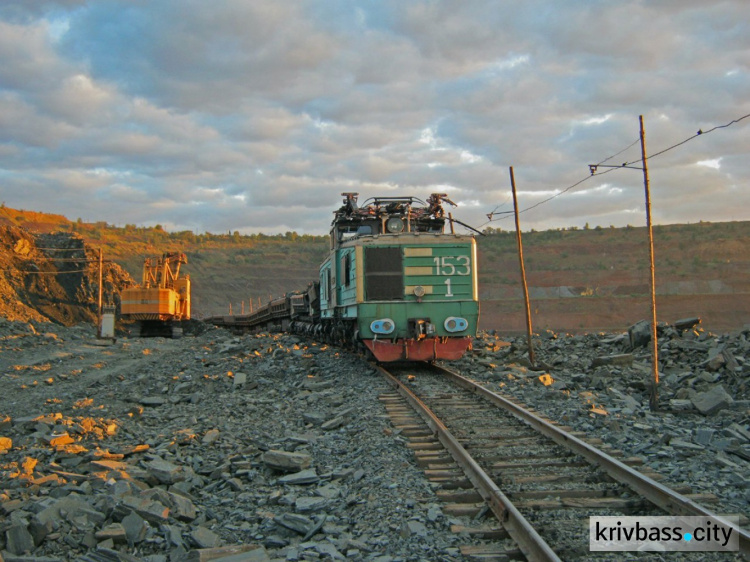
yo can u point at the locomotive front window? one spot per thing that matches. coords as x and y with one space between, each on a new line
384 274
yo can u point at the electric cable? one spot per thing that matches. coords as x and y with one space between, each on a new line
696 135
594 172
51 272
57 260
60 249
636 141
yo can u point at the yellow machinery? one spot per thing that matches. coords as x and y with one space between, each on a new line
163 299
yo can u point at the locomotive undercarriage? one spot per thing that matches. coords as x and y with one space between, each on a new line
338 332
344 333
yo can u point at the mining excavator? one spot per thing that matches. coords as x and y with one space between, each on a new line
162 301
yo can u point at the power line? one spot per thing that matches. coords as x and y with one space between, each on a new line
631 145
60 249
699 133
595 172
508 213
696 135
51 272
556 195
494 211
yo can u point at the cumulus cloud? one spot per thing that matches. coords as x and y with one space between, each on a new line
255 116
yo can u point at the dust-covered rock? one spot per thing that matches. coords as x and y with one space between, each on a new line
603 384
149 449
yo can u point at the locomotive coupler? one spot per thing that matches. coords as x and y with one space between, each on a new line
420 328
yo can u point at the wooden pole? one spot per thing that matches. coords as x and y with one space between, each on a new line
523 269
99 303
654 399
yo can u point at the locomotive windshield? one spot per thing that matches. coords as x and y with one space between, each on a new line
388 215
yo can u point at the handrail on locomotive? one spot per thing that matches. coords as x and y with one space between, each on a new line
388 215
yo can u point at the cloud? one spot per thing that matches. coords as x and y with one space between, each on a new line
255 116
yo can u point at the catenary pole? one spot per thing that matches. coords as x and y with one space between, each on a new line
654 398
99 298
523 269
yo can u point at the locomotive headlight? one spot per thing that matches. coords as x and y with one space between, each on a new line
394 225
419 291
383 326
454 324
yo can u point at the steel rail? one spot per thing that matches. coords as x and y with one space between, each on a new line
658 494
519 529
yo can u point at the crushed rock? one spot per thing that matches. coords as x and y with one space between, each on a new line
147 449
151 450
601 384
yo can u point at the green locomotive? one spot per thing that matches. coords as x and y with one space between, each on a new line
397 282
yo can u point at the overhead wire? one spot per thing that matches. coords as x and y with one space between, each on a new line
60 249
595 173
698 134
51 272
631 145
57 260
494 211
695 136
508 213
556 195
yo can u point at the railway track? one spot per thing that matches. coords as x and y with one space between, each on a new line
541 481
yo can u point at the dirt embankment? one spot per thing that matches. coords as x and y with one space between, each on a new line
53 277
599 280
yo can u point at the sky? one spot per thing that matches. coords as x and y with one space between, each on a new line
254 116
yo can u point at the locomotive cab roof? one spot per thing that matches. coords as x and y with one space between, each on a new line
388 215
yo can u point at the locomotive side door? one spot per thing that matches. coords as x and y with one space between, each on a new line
327 290
333 288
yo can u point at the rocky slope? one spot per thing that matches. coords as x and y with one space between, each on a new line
53 277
